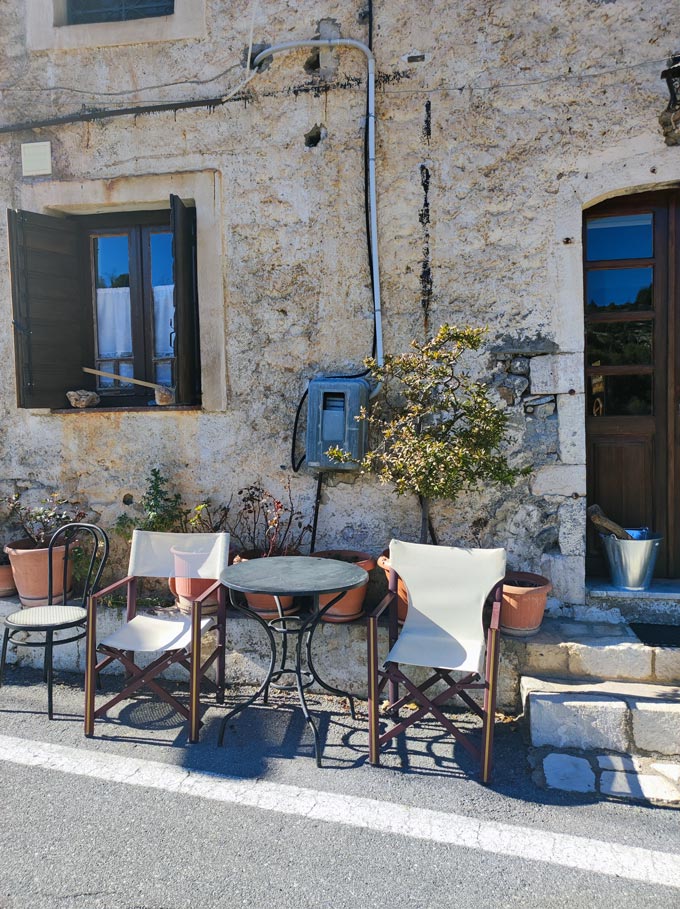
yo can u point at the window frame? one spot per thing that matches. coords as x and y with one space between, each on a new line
54 319
74 17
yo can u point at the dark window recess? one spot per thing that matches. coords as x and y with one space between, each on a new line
116 292
80 12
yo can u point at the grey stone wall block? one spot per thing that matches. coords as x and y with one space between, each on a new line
559 480
667 665
656 727
566 771
567 721
618 661
572 527
557 374
572 430
642 786
568 576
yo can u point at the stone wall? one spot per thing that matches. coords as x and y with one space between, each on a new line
496 125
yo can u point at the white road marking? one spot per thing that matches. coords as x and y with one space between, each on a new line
582 853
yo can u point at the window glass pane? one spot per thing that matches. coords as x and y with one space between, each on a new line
163 371
619 290
112 276
619 396
619 343
623 237
163 294
82 11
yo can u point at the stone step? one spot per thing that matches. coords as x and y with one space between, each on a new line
570 649
591 714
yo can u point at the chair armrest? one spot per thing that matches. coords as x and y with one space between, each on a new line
495 623
209 591
105 591
382 605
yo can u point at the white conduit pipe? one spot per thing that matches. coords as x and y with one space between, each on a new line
370 149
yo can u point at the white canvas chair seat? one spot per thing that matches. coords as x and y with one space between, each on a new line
447 589
147 633
200 556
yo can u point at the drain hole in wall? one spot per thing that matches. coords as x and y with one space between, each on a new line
313 64
314 136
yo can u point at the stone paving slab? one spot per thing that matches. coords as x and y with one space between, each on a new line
616 776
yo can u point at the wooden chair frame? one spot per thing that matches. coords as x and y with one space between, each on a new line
138 677
392 676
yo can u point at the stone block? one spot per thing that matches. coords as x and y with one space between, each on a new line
546 659
572 527
565 771
584 722
616 661
571 428
568 576
670 770
557 374
667 665
640 786
559 480
622 762
656 727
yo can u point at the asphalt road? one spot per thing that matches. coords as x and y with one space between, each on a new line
137 819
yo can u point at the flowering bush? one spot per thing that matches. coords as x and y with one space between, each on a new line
263 524
40 522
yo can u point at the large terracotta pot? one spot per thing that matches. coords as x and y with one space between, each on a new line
7 585
186 590
351 606
29 567
523 604
402 592
263 603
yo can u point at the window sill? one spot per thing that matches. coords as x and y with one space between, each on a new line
152 408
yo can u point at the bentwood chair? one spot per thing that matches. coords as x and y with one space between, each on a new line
170 640
42 626
443 630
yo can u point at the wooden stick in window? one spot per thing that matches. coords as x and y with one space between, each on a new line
162 393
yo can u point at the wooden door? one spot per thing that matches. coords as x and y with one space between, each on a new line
631 365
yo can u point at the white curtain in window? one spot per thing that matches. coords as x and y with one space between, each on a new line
163 319
114 331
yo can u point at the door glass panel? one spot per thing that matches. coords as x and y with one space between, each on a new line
619 396
619 343
163 294
624 237
112 278
619 290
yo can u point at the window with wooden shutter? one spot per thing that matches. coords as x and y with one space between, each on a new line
118 292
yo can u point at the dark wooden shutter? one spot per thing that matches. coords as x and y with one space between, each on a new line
53 325
187 388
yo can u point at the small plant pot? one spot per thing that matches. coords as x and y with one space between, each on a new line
402 591
29 568
523 605
186 590
351 605
7 585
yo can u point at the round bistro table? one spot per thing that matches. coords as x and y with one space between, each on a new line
292 576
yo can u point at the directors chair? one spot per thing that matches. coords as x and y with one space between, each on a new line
172 640
443 630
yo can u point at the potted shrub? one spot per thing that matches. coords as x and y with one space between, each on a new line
28 554
436 431
163 511
262 525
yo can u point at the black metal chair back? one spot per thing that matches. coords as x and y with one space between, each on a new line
71 536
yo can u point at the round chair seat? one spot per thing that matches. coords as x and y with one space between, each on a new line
37 617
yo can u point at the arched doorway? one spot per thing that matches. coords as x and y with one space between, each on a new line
632 366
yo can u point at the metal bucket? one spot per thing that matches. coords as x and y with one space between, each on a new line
631 562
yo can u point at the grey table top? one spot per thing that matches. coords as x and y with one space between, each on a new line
293 576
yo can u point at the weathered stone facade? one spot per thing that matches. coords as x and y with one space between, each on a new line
497 124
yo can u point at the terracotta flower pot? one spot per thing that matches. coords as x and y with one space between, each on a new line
402 591
351 606
7 585
263 603
29 567
523 604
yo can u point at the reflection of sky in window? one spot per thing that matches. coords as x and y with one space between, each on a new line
112 260
624 237
629 288
161 259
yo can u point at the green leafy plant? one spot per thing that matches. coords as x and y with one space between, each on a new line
39 522
264 525
437 432
163 510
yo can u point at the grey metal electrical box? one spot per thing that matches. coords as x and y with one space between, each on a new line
332 409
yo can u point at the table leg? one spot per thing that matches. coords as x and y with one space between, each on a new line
301 695
264 687
309 630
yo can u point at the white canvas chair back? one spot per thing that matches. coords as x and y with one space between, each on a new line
178 555
447 589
